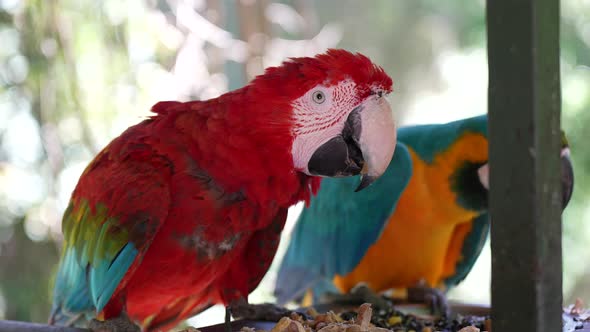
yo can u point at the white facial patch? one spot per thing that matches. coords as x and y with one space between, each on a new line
318 119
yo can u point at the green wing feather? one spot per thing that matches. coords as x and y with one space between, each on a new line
112 218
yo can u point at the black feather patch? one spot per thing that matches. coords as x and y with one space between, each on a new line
471 194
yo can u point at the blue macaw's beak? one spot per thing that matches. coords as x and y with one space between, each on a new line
567 177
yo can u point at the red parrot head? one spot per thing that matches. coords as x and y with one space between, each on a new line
341 124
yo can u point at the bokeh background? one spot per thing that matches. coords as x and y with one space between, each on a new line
75 73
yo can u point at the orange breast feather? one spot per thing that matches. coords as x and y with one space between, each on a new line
423 238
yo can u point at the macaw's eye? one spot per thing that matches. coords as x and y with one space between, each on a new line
379 93
318 97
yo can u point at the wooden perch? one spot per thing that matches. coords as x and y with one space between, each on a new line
14 326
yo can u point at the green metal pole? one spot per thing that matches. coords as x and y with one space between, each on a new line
525 197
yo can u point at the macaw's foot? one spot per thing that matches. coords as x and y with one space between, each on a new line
434 297
358 295
265 311
119 324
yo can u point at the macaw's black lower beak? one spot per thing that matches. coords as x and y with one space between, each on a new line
567 177
340 156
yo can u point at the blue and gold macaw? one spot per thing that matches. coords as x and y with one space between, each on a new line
422 225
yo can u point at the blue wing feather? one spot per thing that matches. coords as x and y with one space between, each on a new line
76 284
105 278
328 238
84 288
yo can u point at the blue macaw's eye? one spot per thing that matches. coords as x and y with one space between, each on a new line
318 97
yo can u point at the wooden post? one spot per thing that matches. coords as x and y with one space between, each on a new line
525 197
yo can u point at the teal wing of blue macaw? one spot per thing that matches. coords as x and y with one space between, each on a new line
329 239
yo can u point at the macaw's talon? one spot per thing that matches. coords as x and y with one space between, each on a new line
358 295
119 324
265 311
434 297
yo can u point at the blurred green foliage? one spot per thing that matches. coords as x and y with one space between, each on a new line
74 74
